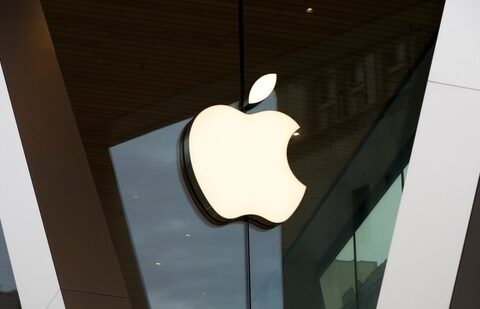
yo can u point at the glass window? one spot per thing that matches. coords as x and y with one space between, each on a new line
353 279
266 268
373 239
185 262
338 280
405 171
374 234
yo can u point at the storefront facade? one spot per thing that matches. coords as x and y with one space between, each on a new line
98 212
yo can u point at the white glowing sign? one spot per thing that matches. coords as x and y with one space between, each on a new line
237 163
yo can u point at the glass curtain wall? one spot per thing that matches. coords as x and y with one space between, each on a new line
347 267
352 73
355 275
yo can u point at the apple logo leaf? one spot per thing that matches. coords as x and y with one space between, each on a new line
262 88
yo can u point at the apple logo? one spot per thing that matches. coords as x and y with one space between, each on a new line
236 163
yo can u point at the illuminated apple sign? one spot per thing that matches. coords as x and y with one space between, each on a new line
236 163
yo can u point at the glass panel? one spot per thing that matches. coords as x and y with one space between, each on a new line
405 172
266 268
8 290
373 239
365 261
352 74
184 261
338 280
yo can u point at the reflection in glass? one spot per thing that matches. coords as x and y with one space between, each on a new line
338 280
184 261
353 279
405 171
266 268
373 239
358 191
352 74
374 234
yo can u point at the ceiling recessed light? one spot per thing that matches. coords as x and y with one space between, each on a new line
187 235
158 263
296 134
204 293
135 196
309 10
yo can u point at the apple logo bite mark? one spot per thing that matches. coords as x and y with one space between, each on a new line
236 164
